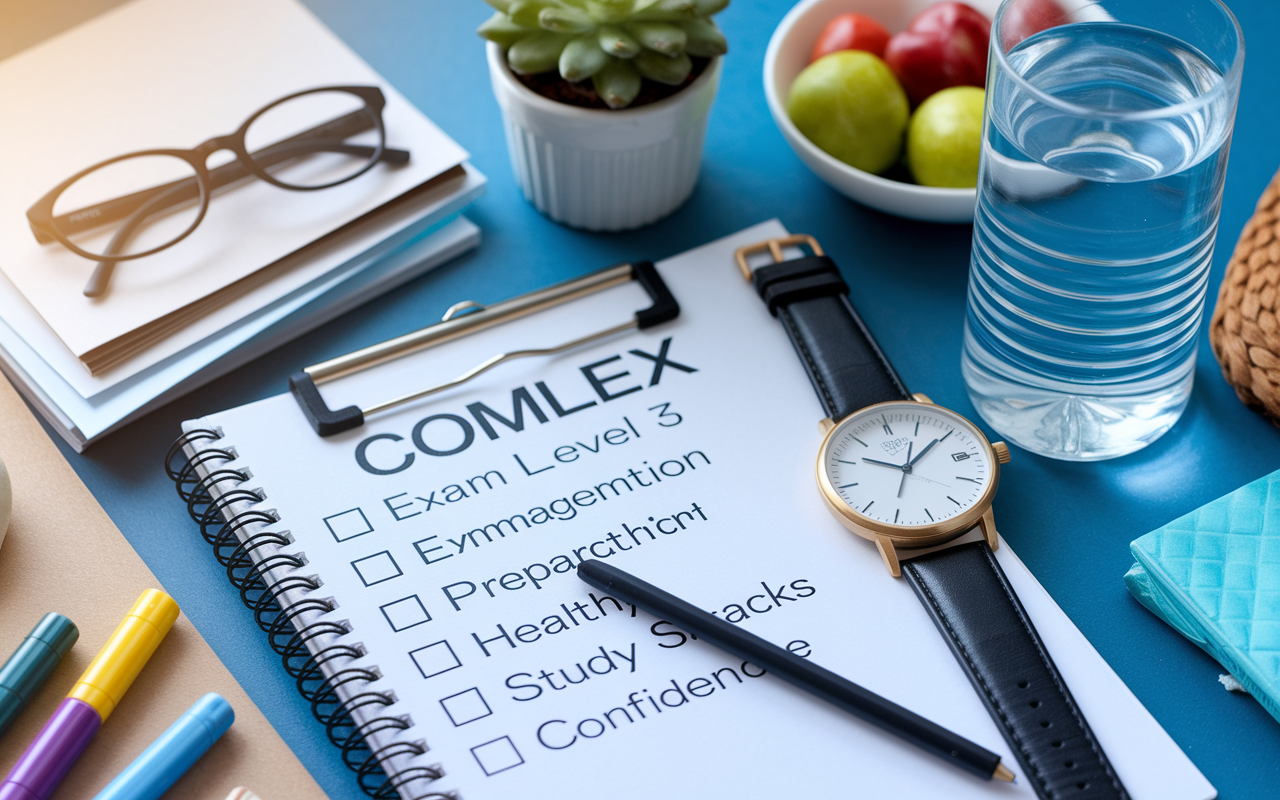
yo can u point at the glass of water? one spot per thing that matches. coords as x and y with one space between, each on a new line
1104 152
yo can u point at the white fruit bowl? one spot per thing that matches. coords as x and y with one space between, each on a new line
788 54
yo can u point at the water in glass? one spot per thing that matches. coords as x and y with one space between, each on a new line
1094 230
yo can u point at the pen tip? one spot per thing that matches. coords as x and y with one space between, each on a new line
1003 773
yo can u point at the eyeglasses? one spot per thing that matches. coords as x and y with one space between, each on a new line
138 204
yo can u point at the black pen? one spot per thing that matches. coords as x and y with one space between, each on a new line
797 671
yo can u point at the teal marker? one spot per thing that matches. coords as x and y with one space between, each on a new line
169 757
32 663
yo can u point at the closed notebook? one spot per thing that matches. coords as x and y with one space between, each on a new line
1214 575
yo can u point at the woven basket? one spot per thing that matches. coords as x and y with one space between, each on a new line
1245 329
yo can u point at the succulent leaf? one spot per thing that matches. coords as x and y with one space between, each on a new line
704 38
525 12
582 58
664 37
617 42
617 83
706 8
666 11
499 28
608 11
565 20
537 52
663 69
661 16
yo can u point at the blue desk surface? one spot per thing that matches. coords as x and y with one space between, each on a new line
1071 523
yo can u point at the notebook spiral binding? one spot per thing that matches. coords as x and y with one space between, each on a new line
315 651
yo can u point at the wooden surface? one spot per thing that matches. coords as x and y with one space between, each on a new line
63 554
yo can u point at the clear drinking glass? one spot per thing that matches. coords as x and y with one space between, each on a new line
1104 152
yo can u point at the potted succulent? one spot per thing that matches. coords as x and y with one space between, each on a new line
605 103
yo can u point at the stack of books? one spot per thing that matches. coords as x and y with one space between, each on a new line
263 264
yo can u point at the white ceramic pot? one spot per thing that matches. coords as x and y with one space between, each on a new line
604 170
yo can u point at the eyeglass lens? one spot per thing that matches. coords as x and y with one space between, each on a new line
135 205
315 140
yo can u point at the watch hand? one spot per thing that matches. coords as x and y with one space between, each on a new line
883 463
906 468
920 455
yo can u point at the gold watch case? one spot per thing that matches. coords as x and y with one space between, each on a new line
890 538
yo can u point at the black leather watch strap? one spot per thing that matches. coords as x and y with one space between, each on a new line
975 608
962 587
846 365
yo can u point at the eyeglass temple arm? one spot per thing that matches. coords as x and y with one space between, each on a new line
301 144
178 193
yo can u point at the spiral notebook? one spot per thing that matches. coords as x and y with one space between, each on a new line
414 566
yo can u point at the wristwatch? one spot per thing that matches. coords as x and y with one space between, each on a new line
905 473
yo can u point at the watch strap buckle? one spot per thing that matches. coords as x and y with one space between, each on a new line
774 247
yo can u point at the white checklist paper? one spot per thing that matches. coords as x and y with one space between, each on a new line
447 532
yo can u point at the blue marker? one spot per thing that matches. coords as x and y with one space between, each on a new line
170 756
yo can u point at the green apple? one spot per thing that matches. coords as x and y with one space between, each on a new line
944 138
850 104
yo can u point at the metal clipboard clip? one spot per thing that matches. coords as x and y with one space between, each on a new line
470 317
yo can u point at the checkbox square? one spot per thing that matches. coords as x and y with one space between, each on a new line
376 568
435 658
497 756
465 707
348 524
405 613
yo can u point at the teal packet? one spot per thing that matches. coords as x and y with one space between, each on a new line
1214 576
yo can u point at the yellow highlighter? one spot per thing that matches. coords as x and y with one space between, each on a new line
97 693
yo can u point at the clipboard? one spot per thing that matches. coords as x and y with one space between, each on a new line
470 317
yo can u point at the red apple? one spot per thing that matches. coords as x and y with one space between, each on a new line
851 32
945 45
1024 18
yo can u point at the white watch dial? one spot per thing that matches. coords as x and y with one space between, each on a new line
908 464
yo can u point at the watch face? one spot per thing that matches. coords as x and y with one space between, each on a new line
908 465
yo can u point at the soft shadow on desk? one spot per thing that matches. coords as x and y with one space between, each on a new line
1199 458
908 250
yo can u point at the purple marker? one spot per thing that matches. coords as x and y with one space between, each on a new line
69 731
61 741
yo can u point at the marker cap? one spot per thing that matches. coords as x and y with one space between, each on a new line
214 713
32 663
56 631
111 674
